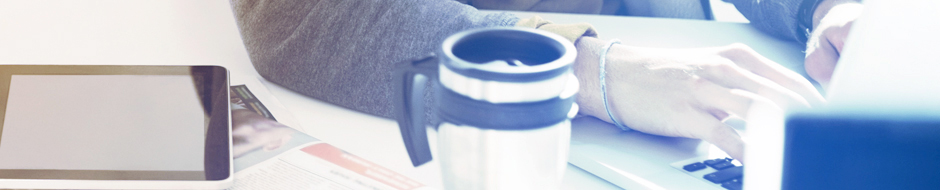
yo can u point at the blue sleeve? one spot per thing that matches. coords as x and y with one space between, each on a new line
775 17
343 51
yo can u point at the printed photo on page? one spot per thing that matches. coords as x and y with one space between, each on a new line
270 154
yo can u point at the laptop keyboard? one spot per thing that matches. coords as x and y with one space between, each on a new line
724 172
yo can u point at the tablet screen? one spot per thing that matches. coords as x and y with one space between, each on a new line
135 126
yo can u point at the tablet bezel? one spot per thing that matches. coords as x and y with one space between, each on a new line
218 170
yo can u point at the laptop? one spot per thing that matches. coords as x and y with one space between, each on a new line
885 88
633 160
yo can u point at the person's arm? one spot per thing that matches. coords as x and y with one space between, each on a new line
343 51
832 21
345 56
686 92
829 22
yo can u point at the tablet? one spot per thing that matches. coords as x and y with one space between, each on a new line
114 127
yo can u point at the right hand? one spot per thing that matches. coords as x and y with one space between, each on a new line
688 92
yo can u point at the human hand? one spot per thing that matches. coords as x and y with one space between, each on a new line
688 92
832 21
251 131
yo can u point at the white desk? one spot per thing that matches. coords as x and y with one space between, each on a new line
183 32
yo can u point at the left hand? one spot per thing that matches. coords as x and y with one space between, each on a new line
832 20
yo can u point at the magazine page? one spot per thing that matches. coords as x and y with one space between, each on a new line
271 153
252 93
321 166
261 126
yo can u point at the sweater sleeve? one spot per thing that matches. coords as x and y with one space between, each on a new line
344 51
775 17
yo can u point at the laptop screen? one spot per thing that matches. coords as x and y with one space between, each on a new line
855 151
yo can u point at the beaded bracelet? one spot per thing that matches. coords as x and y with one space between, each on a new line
603 81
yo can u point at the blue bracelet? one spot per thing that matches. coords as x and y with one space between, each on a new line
603 82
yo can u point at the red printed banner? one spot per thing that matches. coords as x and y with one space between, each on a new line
361 166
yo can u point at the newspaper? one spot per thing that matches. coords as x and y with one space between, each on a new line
271 153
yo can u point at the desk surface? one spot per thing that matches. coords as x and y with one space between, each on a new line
182 32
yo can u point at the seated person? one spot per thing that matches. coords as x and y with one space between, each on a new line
793 20
344 52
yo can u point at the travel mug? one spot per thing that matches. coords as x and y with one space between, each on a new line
505 98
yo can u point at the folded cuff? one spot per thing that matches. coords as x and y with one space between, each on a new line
570 31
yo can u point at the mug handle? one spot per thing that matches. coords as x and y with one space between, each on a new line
410 79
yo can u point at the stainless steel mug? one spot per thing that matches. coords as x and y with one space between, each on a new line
505 98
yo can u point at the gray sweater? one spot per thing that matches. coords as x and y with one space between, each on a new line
775 17
343 51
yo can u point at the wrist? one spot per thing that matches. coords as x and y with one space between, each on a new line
810 13
588 68
585 68
825 6
602 71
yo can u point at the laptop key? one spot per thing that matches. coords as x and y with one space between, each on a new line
725 175
722 165
694 167
734 184
716 161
